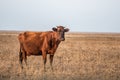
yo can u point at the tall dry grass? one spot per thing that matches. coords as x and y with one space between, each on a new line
82 56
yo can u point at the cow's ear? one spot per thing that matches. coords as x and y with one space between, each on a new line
66 30
54 29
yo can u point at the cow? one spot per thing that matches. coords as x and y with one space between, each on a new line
40 44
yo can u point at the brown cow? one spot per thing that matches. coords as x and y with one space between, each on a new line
40 43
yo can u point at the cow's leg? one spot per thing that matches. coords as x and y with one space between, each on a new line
21 58
45 60
25 58
51 60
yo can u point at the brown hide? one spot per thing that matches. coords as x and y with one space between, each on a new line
33 43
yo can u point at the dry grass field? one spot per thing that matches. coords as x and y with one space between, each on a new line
82 56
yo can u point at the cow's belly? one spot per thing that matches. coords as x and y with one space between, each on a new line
34 53
37 54
32 50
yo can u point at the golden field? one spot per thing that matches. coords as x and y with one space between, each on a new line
82 56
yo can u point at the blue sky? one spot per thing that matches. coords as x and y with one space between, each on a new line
78 15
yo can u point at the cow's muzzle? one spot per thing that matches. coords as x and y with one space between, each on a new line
62 39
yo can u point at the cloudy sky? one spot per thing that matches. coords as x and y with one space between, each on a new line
78 15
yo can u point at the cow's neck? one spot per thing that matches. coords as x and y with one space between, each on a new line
55 35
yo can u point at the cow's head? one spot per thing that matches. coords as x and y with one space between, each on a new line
60 30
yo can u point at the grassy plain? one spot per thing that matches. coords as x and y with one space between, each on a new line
82 56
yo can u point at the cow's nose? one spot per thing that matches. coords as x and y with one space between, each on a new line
62 39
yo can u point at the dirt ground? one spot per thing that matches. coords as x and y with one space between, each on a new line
82 56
